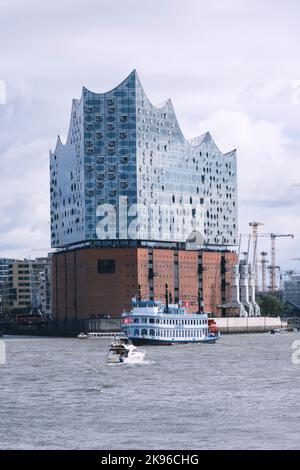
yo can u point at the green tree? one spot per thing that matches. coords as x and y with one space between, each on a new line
270 305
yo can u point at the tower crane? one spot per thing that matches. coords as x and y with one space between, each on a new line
273 257
255 226
264 262
273 266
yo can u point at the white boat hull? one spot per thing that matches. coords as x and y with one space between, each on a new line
133 359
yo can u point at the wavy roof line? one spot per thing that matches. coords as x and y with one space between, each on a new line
205 138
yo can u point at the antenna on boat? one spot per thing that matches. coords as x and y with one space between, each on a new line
167 298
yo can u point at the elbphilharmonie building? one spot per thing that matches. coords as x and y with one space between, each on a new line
127 176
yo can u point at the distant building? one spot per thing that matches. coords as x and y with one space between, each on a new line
4 269
6 294
44 291
291 290
18 287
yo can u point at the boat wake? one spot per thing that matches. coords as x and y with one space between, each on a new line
131 364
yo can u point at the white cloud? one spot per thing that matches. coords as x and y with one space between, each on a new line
24 195
228 66
266 170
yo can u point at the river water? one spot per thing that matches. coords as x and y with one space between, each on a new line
241 393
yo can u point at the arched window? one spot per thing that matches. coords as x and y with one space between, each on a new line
151 332
144 332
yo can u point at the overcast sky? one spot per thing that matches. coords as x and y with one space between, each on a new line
228 66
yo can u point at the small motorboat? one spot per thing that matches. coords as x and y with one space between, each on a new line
83 335
122 351
278 331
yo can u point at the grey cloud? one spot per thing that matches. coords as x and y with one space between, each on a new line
218 61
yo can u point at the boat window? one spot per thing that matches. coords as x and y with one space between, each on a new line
151 320
144 332
136 320
151 332
136 332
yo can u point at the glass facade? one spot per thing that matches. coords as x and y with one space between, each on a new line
291 291
131 159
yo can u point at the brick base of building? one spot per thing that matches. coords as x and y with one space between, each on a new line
92 282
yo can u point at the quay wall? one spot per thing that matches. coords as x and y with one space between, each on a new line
232 325
72 327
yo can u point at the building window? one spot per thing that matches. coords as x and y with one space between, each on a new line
106 266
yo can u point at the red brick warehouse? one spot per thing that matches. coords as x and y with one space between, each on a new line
90 282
